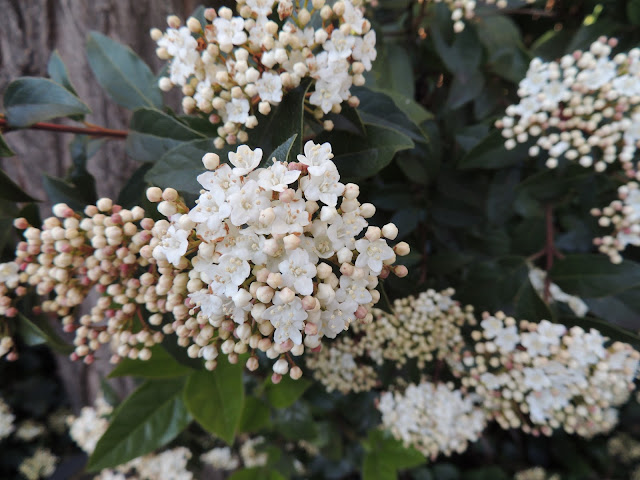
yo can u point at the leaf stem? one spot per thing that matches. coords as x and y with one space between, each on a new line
93 131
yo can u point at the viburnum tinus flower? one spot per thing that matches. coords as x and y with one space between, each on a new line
234 68
466 9
584 108
277 257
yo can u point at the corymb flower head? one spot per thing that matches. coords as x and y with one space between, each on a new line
584 108
233 68
277 257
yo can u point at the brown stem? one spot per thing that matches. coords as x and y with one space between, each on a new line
93 131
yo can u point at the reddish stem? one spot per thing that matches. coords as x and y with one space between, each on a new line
53 127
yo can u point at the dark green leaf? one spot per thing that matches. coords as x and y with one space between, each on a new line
148 419
133 192
58 72
502 40
385 456
463 54
528 305
466 86
5 150
215 399
11 191
108 393
180 166
82 148
287 392
490 153
633 11
361 157
285 120
38 331
154 133
377 108
61 191
501 196
604 327
296 422
280 154
29 100
255 415
125 77
256 473
160 365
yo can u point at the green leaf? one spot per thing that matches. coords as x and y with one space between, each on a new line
11 191
125 77
160 365
133 192
287 392
5 150
463 54
385 456
58 72
255 415
412 109
82 148
528 305
490 153
377 108
256 473
148 419
29 100
360 157
501 37
604 327
153 133
61 191
282 153
633 12
38 332
215 399
466 86
284 121
180 166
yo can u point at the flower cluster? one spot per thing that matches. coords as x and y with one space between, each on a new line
541 376
466 9
538 277
261 253
41 464
535 473
234 67
422 328
583 108
433 418
69 257
623 216
86 429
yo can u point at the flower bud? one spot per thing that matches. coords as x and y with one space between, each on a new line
402 249
242 298
265 294
367 210
323 271
252 364
274 280
281 367
291 242
372 234
211 161
286 295
345 255
154 194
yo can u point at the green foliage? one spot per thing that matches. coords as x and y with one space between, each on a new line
5 150
124 76
38 331
58 72
216 399
149 418
160 365
287 392
385 456
29 100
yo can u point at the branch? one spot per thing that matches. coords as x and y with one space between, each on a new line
93 131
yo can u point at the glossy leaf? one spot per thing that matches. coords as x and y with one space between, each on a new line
124 76
148 419
61 191
58 72
255 415
282 153
287 392
29 100
215 399
38 332
633 11
180 167
11 191
154 133
491 153
385 456
5 150
160 365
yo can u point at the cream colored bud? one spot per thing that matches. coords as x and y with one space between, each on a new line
339 8
211 161
286 295
390 231
242 298
267 216
346 269
274 280
170 194
326 293
156 34
252 364
167 208
104 204
281 367
265 294
323 271
188 105
266 328
226 13
373 233
264 108
193 24
402 249
173 21
317 4
328 214
295 373
154 194
401 271
270 246
291 242
349 205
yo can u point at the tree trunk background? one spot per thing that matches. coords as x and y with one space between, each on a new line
30 30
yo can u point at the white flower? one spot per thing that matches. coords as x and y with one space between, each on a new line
270 88
325 188
317 157
288 320
353 16
339 46
211 209
492 326
222 180
536 379
507 339
237 111
325 95
344 229
210 304
298 272
291 217
364 49
353 289
262 8
372 254
230 31
337 317
247 203
229 274
173 245
183 49
245 160
6 420
9 274
220 458
277 177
